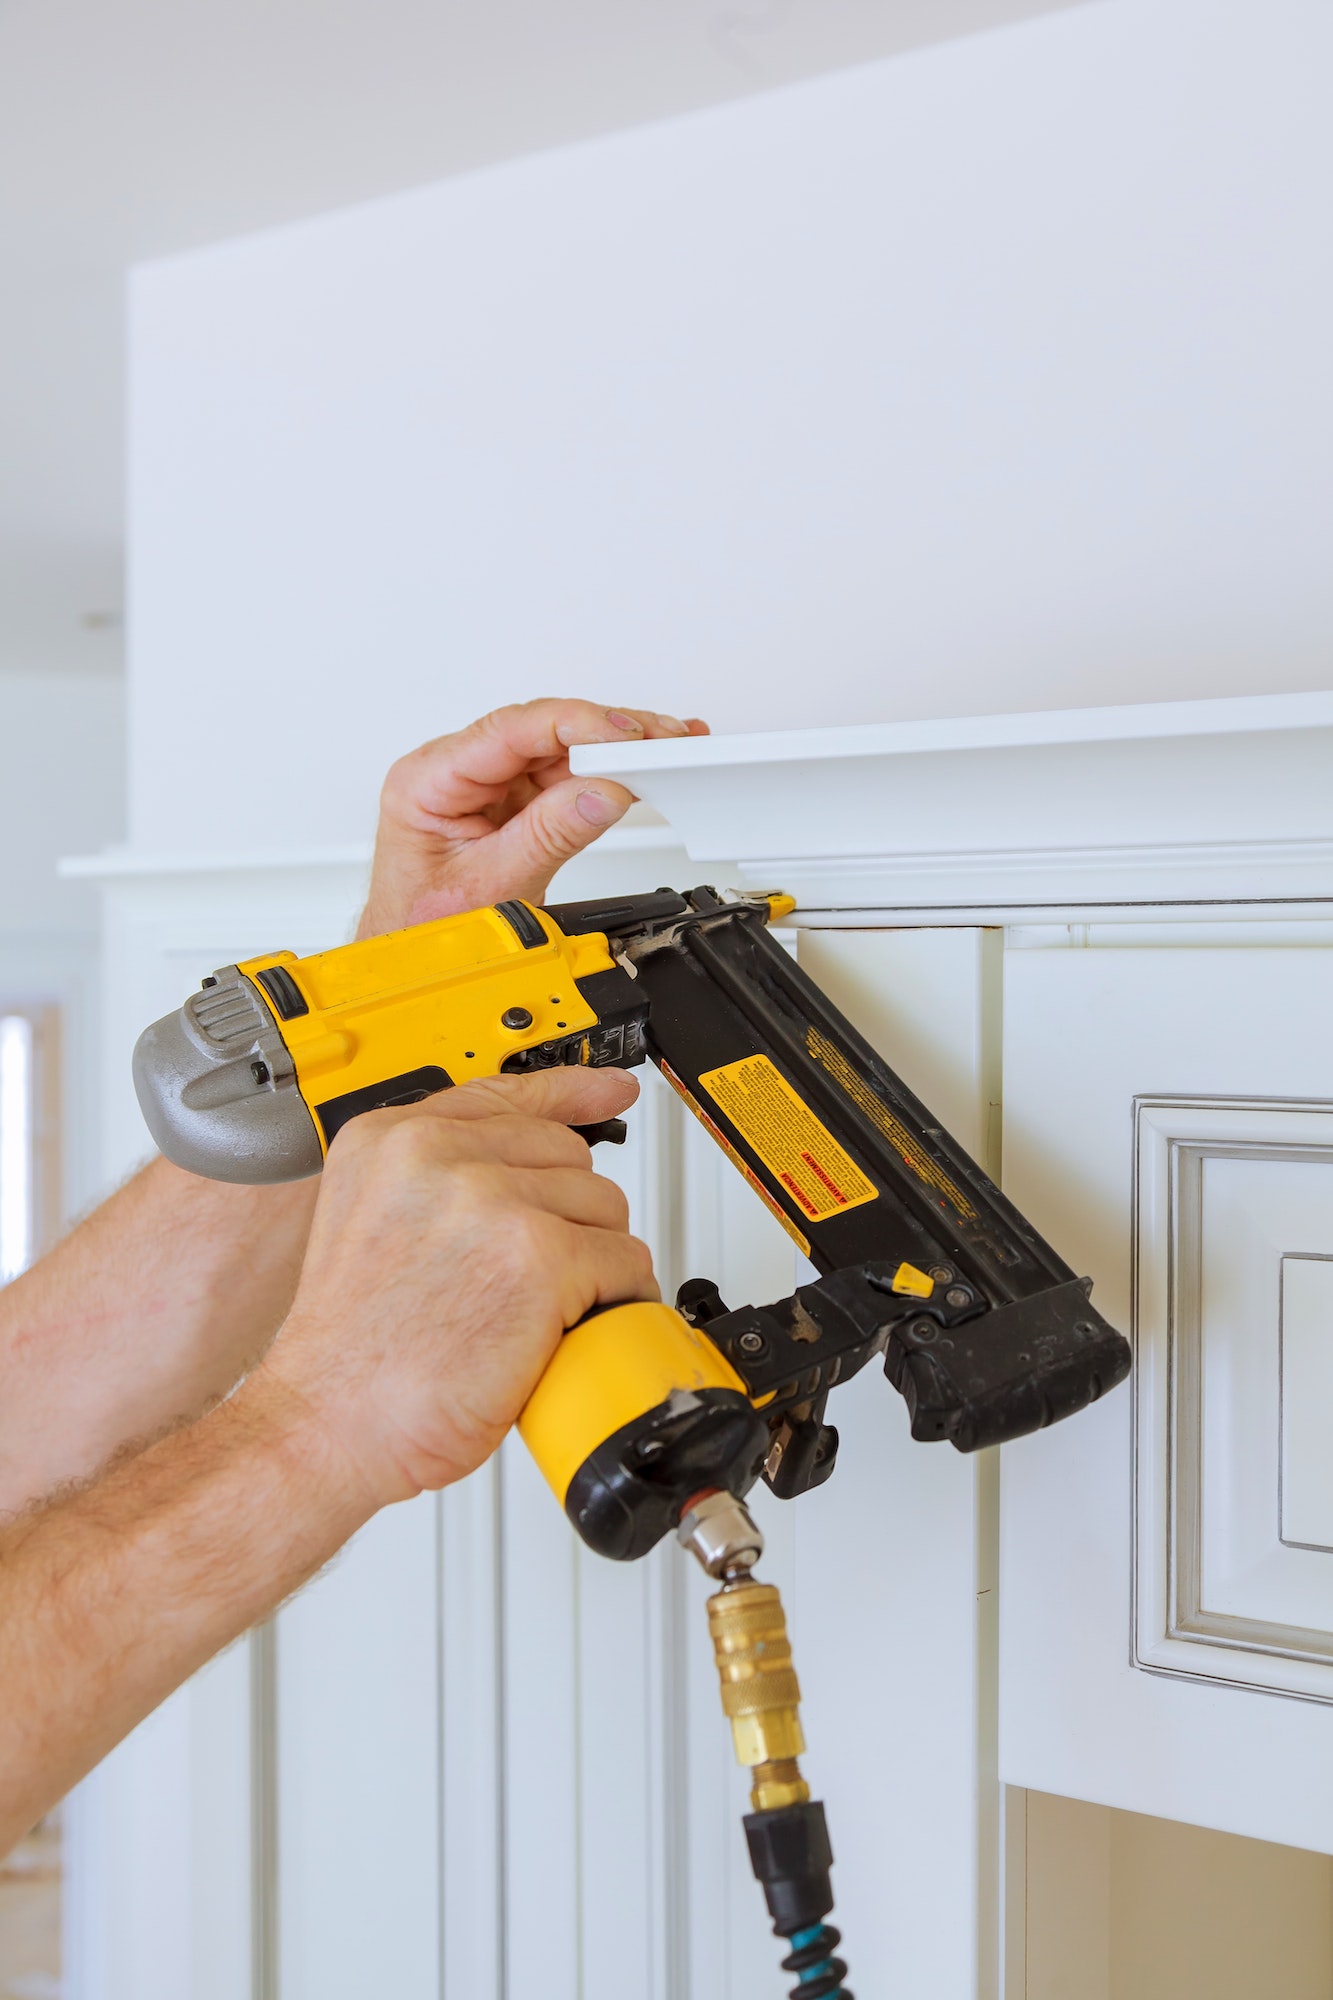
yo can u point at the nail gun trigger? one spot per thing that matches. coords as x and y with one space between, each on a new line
802 1456
606 1132
698 1301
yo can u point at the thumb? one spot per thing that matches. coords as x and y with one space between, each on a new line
551 829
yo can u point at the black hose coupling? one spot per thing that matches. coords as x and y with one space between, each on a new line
791 1856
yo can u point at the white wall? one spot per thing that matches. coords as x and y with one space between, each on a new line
62 791
991 376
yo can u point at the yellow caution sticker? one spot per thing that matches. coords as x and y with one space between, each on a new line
800 1152
719 1137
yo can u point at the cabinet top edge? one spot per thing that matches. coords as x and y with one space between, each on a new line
136 864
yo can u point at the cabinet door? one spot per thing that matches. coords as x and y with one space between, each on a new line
1167 1559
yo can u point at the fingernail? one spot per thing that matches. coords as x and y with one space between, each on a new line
673 725
625 722
596 808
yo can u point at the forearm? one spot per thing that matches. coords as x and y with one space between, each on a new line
113 1597
147 1313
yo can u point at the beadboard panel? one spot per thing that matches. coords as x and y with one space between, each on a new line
913 1604
182 1830
356 1874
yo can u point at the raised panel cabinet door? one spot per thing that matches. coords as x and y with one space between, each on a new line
1167 1557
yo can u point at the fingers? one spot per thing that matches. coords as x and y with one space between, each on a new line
517 1121
532 730
599 1267
457 774
446 805
574 1195
504 1139
572 1096
566 815
521 856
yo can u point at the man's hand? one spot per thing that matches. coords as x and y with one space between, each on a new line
156 1304
492 811
453 1242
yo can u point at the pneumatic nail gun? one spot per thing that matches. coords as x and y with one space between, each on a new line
650 1419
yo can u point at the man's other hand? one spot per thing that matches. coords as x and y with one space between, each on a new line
453 1243
492 811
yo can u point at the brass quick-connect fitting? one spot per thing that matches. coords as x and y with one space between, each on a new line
778 1784
760 1691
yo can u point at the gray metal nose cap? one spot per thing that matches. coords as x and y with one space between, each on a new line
217 1088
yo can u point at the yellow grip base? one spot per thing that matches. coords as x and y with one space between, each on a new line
609 1370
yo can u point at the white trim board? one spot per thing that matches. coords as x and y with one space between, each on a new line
1202 802
1231 715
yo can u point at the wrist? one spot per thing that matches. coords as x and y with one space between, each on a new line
298 1434
329 1416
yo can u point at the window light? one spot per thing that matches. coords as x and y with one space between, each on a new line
16 1144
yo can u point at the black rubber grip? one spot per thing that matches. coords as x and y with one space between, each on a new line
525 925
287 998
1007 1372
409 1088
617 914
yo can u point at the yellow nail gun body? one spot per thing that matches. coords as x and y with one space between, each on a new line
982 1328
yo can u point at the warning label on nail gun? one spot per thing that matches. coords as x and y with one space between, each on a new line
797 1150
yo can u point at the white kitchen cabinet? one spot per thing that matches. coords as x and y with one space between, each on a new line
1168 1625
1156 884
478 1761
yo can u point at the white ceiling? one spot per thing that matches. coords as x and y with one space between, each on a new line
130 129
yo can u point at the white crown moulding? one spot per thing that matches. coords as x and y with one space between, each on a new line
1067 814
1078 811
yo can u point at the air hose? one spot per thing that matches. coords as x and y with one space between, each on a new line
786 1831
